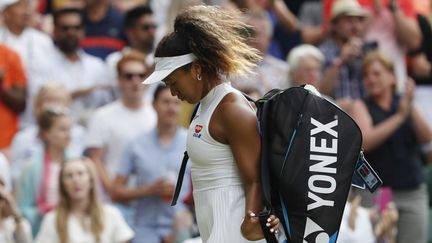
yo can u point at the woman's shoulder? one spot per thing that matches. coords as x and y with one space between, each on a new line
51 215
110 211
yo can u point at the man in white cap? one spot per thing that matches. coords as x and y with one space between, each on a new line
343 51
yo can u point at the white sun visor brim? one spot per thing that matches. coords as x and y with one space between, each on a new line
166 65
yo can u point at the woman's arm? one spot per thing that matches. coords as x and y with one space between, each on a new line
374 135
234 122
422 129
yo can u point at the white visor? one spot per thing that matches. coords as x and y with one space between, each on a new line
166 65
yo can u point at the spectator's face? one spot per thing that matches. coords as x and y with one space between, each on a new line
377 79
68 32
18 15
76 180
308 71
143 33
59 134
130 80
259 39
346 27
167 107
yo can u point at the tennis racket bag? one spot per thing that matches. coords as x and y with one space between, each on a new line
310 149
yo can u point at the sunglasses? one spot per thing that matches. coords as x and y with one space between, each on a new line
68 27
131 76
147 27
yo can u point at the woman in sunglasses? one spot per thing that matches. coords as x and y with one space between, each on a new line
223 141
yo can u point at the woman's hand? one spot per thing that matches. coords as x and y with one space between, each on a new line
8 203
405 104
251 228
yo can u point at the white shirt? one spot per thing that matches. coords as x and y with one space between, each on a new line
363 232
113 126
88 71
115 229
8 227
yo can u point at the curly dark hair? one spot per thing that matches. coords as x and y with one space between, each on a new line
216 37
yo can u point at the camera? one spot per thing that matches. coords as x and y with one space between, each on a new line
369 46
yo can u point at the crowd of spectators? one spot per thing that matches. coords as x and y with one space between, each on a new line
90 154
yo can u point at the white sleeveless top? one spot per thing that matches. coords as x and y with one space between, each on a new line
217 188
213 163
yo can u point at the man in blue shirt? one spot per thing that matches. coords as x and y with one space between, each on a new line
154 158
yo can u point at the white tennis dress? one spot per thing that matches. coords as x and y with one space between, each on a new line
218 193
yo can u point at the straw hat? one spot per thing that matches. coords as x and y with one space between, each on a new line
347 8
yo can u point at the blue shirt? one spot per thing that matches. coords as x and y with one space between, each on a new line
148 160
105 36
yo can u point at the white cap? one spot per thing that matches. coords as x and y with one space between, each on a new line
347 8
6 3
166 65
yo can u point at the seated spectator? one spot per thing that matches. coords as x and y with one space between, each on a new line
83 75
393 129
305 65
37 189
104 28
140 28
12 94
13 227
80 216
26 141
154 158
112 126
271 72
31 45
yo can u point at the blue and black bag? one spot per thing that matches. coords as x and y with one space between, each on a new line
310 149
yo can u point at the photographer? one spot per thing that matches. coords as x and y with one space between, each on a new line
343 51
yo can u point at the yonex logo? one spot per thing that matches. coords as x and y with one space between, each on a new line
323 156
314 233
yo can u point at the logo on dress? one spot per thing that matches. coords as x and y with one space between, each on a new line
198 129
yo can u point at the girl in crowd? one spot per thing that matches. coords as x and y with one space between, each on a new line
80 216
26 142
37 189
393 130
223 141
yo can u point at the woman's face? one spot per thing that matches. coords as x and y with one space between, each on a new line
76 180
185 85
378 79
59 135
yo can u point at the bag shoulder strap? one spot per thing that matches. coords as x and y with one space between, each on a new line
183 165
